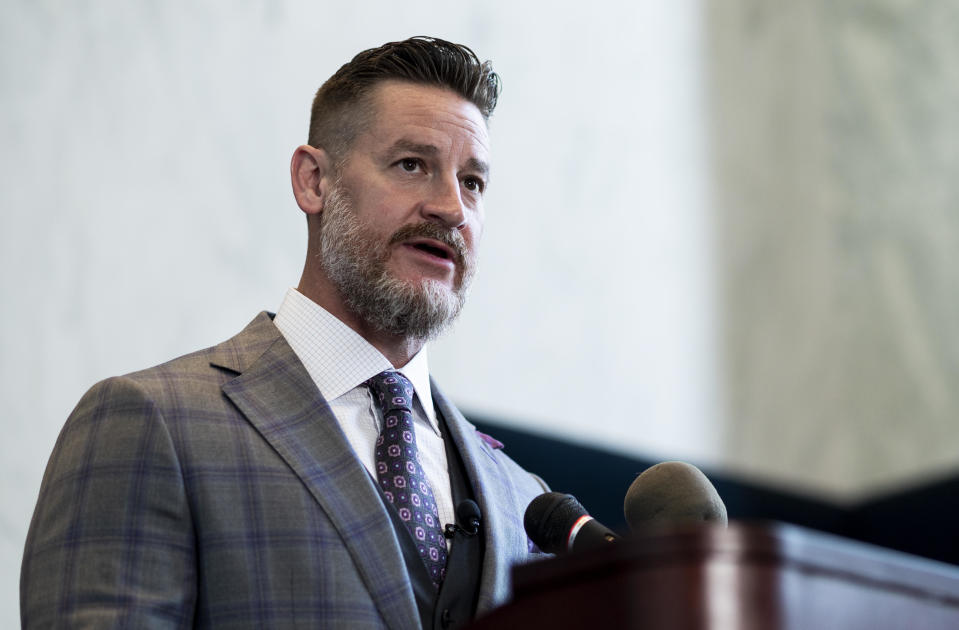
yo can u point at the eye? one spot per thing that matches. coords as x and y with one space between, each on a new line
474 184
410 165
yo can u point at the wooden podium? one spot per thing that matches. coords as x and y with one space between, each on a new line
746 576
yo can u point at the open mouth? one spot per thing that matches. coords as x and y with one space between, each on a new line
433 249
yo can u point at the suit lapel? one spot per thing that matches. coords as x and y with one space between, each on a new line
277 396
502 513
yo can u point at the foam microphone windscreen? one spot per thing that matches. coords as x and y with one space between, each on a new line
672 493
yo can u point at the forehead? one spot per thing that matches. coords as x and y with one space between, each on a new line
428 115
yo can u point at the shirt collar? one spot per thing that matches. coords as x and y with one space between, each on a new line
337 358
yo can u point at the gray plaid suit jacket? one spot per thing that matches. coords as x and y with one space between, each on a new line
217 490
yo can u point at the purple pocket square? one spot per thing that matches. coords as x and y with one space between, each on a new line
490 440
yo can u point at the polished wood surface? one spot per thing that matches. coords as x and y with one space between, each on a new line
746 576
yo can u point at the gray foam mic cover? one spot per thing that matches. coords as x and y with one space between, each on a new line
672 493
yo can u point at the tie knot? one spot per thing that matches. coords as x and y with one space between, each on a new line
392 390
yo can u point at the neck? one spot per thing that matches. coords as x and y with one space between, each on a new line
398 349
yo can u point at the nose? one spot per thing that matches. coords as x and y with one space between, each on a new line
445 204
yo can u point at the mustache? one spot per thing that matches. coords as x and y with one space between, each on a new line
451 238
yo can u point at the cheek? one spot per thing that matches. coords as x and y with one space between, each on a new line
373 202
472 238
476 230
380 217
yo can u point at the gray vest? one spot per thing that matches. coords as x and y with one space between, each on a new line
455 604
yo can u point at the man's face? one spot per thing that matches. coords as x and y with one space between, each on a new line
400 227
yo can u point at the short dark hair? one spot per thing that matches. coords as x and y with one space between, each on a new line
342 107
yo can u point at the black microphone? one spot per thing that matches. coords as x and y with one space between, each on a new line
558 524
467 513
672 493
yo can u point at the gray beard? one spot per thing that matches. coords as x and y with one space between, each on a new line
356 264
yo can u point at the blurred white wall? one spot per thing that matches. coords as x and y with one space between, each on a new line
147 211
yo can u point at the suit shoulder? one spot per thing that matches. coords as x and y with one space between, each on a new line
161 385
198 374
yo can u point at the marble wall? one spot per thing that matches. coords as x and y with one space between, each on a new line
835 147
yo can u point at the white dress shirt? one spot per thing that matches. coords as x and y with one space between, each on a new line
339 361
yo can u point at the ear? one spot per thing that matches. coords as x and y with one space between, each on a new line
311 175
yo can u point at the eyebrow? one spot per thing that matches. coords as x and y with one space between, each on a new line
408 146
479 166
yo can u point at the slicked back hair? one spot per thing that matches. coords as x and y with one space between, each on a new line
343 107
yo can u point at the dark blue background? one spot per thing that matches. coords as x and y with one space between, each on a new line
922 520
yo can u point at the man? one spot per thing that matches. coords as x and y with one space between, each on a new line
300 474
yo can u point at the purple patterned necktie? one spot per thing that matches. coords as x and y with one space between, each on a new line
399 472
